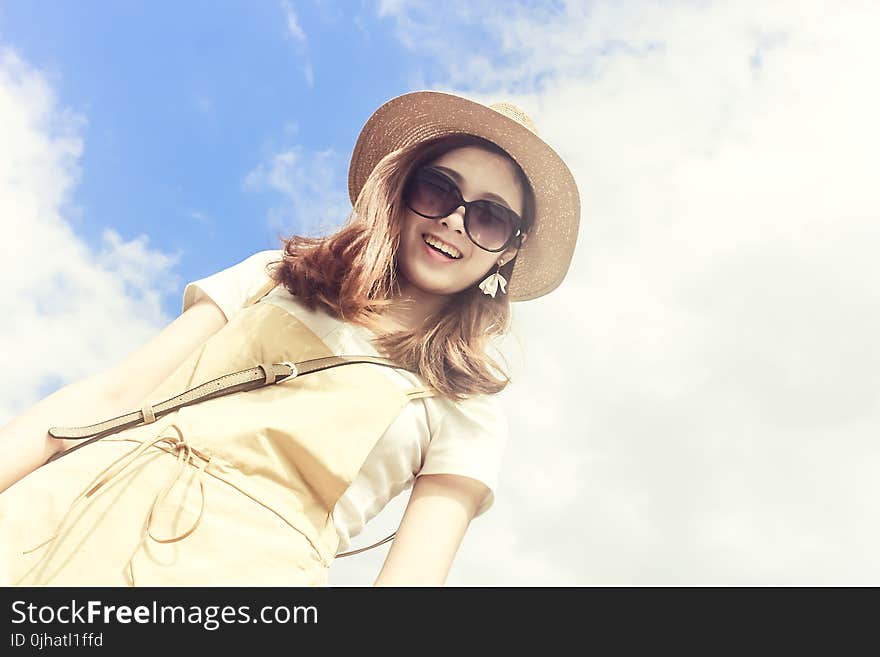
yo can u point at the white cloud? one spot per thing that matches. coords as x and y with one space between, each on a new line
71 310
293 26
697 403
295 31
199 216
311 185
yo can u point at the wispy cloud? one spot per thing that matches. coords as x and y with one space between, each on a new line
199 216
311 185
295 31
91 305
293 27
697 402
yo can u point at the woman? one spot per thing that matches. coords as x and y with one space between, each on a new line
283 450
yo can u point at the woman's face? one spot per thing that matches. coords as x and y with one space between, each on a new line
482 174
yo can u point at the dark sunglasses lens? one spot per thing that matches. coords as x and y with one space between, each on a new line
490 225
430 195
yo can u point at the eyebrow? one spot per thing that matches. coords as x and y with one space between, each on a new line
459 179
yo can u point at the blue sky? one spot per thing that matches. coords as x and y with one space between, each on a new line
183 99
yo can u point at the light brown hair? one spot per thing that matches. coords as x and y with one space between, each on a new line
353 275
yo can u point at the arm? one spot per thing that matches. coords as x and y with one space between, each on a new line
438 514
25 443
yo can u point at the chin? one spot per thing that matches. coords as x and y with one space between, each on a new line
429 283
431 287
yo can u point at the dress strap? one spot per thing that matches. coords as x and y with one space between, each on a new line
267 287
420 392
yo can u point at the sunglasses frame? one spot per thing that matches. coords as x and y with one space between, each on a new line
515 236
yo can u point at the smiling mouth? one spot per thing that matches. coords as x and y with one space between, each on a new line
441 247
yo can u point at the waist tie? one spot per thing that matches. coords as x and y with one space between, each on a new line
185 454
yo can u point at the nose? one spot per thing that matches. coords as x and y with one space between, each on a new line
455 220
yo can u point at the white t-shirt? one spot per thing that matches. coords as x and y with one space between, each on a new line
430 436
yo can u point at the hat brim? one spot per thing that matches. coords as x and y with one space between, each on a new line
544 258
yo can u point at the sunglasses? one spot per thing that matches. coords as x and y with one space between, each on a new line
489 225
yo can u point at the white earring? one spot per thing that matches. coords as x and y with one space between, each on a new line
491 283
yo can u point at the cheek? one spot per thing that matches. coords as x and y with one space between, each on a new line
408 237
410 244
478 266
482 263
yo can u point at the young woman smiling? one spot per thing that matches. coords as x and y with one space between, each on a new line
351 366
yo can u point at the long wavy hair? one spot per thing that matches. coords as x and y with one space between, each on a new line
353 275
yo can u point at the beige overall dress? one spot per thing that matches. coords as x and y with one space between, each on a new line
234 491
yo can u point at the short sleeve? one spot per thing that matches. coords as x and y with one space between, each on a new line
468 438
230 288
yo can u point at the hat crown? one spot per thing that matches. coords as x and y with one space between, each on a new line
511 111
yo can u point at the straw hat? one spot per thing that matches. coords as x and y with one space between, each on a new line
543 260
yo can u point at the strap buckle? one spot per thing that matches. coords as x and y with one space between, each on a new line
294 372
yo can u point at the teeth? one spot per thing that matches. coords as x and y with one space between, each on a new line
446 248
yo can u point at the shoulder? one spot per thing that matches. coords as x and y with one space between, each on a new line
231 286
475 414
